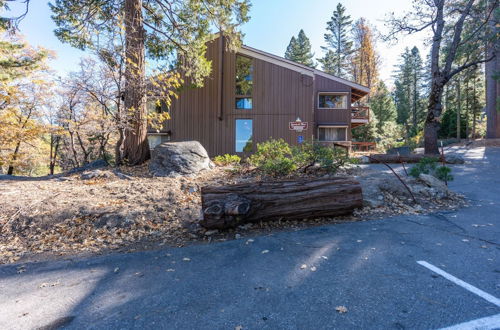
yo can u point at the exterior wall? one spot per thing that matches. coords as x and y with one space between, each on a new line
341 117
280 95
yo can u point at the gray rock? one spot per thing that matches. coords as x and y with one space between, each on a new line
454 159
439 188
179 158
403 151
87 175
211 232
114 220
372 195
364 160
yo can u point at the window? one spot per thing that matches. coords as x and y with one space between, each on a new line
244 132
244 82
157 139
332 101
332 133
154 106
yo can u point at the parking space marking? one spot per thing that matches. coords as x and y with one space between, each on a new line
486 323
465 285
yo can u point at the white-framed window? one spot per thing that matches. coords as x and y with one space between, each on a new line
332 133
332 100
155 139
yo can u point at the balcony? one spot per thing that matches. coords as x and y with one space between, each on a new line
359 116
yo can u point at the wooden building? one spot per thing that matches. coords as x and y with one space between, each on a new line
252 96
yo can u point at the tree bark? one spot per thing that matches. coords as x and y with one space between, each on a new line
459 108
492 86
136 147
233 205
385 158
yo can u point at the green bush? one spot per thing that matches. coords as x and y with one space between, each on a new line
227 159
278 158
443 173
428 165
274 157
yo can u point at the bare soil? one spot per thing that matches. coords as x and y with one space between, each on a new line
46 218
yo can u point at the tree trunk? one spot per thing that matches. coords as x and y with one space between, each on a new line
233 205
459 108
434 110
492 86
10 170
136 147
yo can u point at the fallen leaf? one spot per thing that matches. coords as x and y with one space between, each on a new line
265 251
324 257
116 269
186 259
238 327
465 240
341 309
313 269
170 270
304 266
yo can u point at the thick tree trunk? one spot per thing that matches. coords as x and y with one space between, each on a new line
136 148
233 205
385 158
492 87
459 108
432 125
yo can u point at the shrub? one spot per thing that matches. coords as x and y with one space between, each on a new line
428 165
443 173
329 159
227 159
278 158
274 157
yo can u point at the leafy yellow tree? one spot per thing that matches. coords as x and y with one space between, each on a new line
23 93
365 60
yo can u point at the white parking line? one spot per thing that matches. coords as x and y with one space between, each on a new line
465 285
486 323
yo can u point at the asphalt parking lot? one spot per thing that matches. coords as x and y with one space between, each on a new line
408 272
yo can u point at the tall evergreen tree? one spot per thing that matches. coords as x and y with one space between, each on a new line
382 105
299 50
167 31
339 44
409 85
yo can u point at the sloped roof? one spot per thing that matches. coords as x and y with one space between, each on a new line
250 51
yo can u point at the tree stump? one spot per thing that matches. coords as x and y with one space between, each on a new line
233 205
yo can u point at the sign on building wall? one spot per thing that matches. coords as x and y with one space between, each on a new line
298 126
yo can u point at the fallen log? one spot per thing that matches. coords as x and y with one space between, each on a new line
233 205
389 158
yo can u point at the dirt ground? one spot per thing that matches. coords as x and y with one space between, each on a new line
46 218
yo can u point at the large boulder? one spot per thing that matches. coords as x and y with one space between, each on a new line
454 159
179 158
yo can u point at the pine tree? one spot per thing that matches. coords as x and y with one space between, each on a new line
409 87
168 32
299 50
382 105
339 44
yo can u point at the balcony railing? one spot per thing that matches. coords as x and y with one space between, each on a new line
360 113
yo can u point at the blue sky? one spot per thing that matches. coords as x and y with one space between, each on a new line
272 25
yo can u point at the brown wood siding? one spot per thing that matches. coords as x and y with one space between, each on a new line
332 116
280 95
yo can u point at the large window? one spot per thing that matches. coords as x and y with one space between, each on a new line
244 83
332 101
244 133
327 133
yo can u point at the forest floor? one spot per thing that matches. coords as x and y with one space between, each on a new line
130 210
